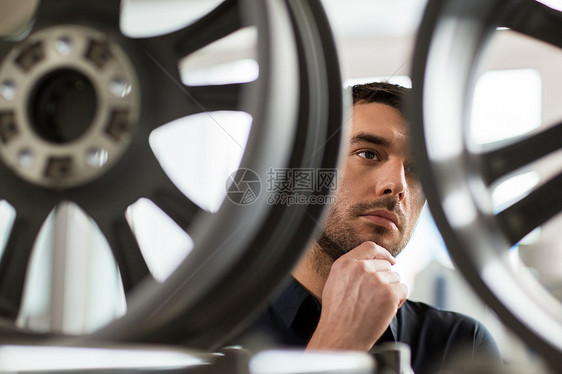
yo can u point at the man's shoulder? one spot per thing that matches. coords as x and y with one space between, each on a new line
422 313
423 309
452 327
437 336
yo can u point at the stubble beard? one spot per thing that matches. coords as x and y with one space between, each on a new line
338 236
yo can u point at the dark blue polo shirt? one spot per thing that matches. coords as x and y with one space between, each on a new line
434 336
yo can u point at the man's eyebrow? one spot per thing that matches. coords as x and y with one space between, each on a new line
369 138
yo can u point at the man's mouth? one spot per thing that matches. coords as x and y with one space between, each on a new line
382 217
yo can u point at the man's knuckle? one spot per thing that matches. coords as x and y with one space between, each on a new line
383 265
340 263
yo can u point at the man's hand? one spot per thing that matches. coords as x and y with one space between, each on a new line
361 296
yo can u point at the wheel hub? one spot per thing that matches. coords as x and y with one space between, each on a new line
69 103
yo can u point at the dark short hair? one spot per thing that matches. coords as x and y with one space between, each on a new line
381 92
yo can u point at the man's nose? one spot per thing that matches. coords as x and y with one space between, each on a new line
391 179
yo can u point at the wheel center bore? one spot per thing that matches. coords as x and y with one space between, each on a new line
62 106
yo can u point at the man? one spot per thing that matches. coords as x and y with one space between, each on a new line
344 294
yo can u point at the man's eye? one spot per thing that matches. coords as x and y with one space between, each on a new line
370 155
412 169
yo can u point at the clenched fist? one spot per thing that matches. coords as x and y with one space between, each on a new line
361 296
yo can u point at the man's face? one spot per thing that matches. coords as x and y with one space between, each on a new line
379 197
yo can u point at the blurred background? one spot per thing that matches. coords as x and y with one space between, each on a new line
516 93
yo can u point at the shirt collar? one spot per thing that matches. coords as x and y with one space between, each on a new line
289 301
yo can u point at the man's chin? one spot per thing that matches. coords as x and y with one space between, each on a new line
386 241
335 246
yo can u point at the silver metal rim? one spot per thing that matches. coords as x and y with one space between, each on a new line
457 181
241 253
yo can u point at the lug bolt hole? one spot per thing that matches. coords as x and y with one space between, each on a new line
96 157
63 46
119 87
8 90
25 158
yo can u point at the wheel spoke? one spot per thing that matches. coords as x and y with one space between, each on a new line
6 45
181 100
217 24
74 11
126 251
176 205
220 97
502 161
532 211
172 103
166 195
165 52
15 261
536 20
